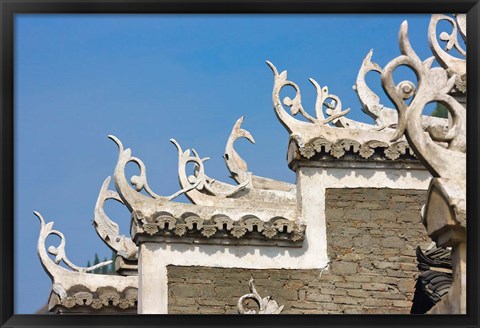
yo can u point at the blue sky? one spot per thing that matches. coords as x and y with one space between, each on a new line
149 78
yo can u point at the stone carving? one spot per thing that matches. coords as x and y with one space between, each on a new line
238 167
265 305
217 226
57 251
338 149
199 180
200 189
368 141
81 299
217 217
79 287
384 117
294 126
132 198
108 230
453 65
442 150
235 164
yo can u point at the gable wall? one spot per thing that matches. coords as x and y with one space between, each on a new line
372 235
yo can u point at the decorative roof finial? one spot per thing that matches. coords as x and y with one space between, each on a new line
440 149
58 251
107 229
79 287
294 126
453 65
235 164
200 189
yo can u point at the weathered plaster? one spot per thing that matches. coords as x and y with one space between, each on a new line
312 184
152 280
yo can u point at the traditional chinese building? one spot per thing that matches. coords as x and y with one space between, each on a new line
348 237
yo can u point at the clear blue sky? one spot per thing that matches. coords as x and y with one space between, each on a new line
149 78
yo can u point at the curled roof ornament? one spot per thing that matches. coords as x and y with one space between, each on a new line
384 117
236 165
52 267
66 283
131 197
109 230
454 65
333 109
440 149
334 126
201 189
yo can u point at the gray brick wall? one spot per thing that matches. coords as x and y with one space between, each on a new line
372 235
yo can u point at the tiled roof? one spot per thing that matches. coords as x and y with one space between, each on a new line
434 280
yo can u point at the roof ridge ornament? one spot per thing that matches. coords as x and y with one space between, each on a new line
200 189
199 181
238 168
333 109
452 64
79 286
384 117
370 101
439 149
131 197
333 135
107 229
58 251
236 165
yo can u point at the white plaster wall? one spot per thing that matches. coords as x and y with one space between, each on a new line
152 281
311 186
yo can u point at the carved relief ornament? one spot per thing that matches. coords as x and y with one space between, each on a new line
203 190
443 151
209 225
78 286
266 305
333 133
453 65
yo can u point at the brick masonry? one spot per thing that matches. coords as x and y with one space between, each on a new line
372 235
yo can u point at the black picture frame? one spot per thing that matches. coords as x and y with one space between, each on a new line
9 8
